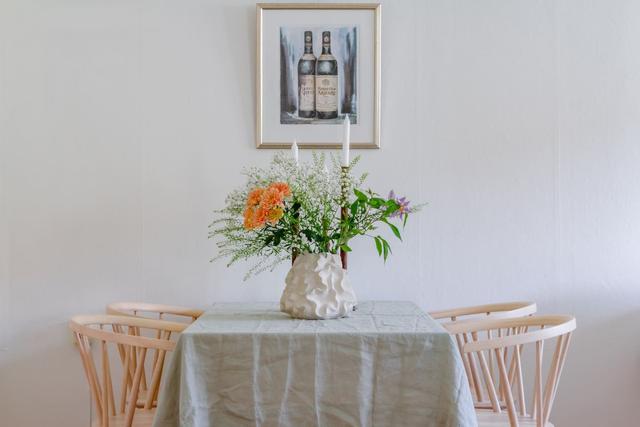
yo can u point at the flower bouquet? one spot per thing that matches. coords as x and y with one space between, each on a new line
308 214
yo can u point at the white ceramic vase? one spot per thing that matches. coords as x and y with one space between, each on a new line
317 287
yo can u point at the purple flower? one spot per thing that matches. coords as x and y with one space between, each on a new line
404 208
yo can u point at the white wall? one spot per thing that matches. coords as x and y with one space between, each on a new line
124 123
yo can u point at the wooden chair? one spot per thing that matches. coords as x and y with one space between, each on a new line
479 312
500 356
495 311
126 335
157 311
142 309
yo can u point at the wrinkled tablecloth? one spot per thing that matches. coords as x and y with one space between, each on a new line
248 364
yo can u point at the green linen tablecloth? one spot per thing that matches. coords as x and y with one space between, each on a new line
248 364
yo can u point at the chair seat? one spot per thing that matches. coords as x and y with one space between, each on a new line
491 419
142 418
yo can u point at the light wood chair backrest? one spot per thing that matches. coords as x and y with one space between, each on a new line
126 334
158 311
495 311
479 312
497 345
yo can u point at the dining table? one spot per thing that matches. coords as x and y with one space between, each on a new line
248 364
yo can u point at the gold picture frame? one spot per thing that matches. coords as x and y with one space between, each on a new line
375 8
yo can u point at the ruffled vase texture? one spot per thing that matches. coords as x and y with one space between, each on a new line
317 287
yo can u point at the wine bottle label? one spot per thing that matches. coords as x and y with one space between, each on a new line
326 93
307 93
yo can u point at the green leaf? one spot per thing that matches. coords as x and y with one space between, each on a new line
378 245
386 248
376 202
360 195
395 230
393 204
404 222
345 248
354 207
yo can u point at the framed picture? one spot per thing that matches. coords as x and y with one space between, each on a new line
318 64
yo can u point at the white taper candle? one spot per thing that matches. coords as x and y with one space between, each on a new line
346 140
294 151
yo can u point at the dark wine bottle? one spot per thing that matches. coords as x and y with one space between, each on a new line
306 79
326 81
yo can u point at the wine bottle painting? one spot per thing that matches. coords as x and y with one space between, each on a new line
318 75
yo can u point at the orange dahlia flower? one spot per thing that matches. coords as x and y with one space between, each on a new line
255 196
249 218
274 215
282 187
271 198
261 214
